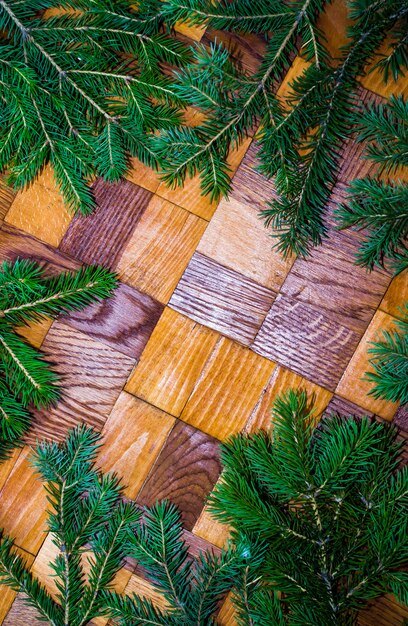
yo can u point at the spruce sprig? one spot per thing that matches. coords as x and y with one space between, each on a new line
336 503
26 295
379 204
83 87
88 513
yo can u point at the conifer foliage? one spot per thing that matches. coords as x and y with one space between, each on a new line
27 295
88 514
300 139
323 510
82 87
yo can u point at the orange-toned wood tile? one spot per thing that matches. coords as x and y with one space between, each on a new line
190 196
161 246
384 611
7 595
7 196
23 505
298 66
40 210
282 380
143 175
172 362
145 589
35 332
396 295
7 466
192 32
227 615
333 23
352 385
238 239
211 530
228 390
374 78
133 437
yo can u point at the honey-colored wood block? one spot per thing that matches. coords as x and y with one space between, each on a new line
238 239
227 615
143 175
160 248
133 437
40 210
333 22
23 505
7 595
298 67
192 32
228 390
7 196
396 295
282 380
172 362
211 530
147 590
35 332
353 385
7 466
190 196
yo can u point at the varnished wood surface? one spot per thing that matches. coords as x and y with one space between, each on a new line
208 326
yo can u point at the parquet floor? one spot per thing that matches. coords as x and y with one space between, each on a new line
208 326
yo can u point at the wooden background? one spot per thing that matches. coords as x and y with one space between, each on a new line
208 325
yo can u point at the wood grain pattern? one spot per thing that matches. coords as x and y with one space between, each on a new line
237 239
142 175
102 236
401 422
222 299
307 340
190 196
124 322
353 385
172 362
396 295
346 408
281 381
227 615
323 279
7 466
7 196
228 389
22 614
8 595
160 248
133 436
247 48
184 473
23 505
145 589
383 611
92 375
211 530
35 332
40 210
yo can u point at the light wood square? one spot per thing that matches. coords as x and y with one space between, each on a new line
353 385
133 437
396 295
211 530
161 246
171 362
228 390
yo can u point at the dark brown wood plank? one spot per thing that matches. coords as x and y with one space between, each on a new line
22 614
345 408
330 279
102 237
306 340
222 299
184 473
384 611
92 376
7 196
249 186
124 322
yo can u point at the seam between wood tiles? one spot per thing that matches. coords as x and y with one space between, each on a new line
272 379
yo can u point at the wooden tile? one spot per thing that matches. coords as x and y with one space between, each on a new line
247 48
132 439
401 422
211 530
160 248
124 322
142 175
145 589
7 196
227 615
333 22
7 466
40 210
184 473
237 238
172 362
222 299
353 386
15 243
345 408
396 295
35 332
307 340
23 505
22 614
92 376
102 236
228 390
190 196
192 32
281 381
250 187
7 595
323 279
383 611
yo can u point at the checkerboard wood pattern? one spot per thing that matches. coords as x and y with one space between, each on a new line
208 325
